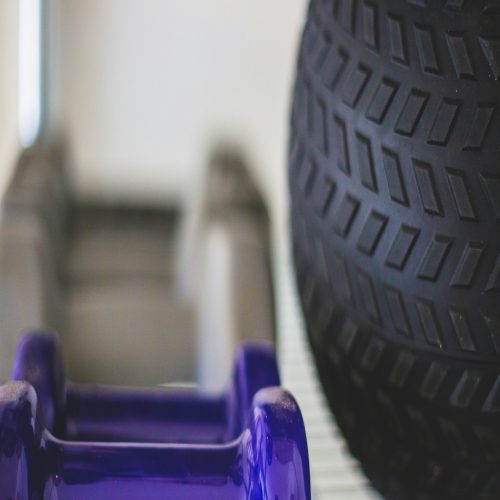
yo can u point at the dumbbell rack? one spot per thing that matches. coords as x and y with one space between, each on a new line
76 438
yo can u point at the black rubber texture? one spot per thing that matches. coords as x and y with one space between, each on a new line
395 199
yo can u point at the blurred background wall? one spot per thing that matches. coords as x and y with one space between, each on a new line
142 89
8 88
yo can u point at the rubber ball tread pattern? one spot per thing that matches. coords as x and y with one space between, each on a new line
395 207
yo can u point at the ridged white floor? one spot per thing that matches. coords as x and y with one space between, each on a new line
335 474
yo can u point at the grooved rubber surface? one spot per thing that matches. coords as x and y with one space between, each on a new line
395 190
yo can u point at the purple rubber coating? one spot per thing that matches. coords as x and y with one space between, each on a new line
63 441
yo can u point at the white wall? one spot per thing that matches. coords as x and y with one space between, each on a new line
146 86
8 93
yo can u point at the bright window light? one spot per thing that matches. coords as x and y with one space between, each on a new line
30 67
